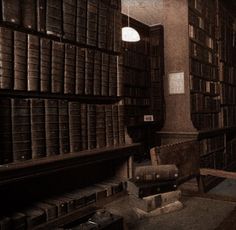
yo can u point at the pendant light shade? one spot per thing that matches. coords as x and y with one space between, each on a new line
129 34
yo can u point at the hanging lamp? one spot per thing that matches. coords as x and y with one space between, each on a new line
129 34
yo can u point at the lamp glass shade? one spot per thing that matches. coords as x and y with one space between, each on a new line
129 34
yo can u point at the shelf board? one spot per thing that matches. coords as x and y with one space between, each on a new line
14 172
71 97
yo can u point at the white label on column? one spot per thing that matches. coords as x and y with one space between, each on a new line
148 118
176 83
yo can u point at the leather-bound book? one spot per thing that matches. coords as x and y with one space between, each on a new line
81 21
58 55
11 11
38 134
29 14
110 28
20 61
117 31
80 71
105 74
92 22
54 17
100 126
70 69
5 131
109 126
41 16
75 126
91 126
21 129
64 138
97 73
102 24
69 19
45 65
6 58
89 71
84 127
33 63
121 120
52 127
115 124
113 75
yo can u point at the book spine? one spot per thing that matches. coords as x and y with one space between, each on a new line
84 127
81 21
52 127
89 71
45 65
115 124
75 126
91 121
80 71
37 110
21 133
11 11
109 126
54 17
6 58
100 126
5 131
33 63
64 127
92 22
41 16
121 122
57 71
28 14
20 61
70 69
113 75
105 74
97 73
69 19
102 24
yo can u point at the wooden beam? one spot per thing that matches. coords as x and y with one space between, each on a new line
217 173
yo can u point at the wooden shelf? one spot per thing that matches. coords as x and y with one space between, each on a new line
14 172
71 97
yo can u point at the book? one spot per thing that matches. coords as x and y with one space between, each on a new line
89 71
20 61
41 16
109 126
45 64
52 127
54 17
117 31
92 22
33 63
84 126
5 131
21 129
100 126
38 134
115 124
64 138
28 10
6 58
57 71
81 21
69 19
80 71
70 69
75 126
105 74
97 73
110 28
11 11
102 24
121 122
49 209
113 75
91 124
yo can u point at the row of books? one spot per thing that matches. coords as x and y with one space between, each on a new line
201 103
204 121
91 22
135 92
227 73
51 208
35 128
39 64
228 115
231 150
137 101
203 70
212 144
228 94
201 53
203 86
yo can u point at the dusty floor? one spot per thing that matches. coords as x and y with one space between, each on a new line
197 214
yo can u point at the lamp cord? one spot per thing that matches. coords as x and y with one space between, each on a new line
128 16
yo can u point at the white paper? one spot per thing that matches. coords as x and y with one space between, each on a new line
176 83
